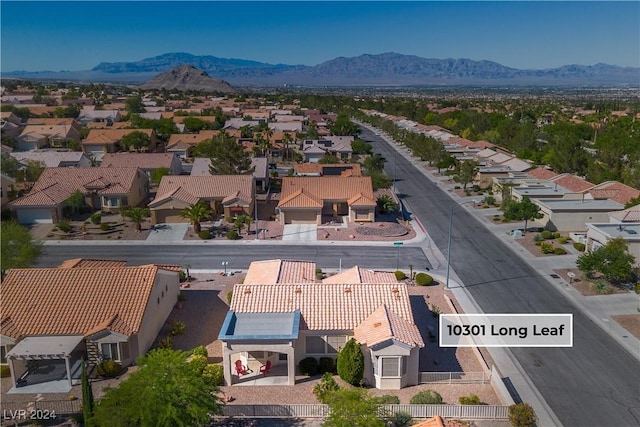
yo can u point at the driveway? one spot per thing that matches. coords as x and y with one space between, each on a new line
168 232
300 232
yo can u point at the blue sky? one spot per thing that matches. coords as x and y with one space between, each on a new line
78 35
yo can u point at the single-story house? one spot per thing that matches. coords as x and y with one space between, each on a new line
304 200
613 190
571 182
10 124
573 215
282 324
52 317
314 149
319 169
599 234
148 162
278 271
34 136
227 195
361 275
200 167
102 141
53 158
182 143
107 189
89 114
631 214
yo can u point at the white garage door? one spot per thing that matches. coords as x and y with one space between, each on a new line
34 216
300 217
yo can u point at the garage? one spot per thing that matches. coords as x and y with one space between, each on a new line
34 216
301 217
167 216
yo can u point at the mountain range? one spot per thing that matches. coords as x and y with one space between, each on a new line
386 69
187 77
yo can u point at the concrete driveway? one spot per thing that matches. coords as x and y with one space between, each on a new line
168 232
300 232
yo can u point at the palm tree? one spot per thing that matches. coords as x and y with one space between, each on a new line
137 215
196 213
286 139
385 203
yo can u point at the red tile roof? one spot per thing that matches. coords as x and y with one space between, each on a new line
572 182
330 188
614 190
140 160
382 325
193 188
541 173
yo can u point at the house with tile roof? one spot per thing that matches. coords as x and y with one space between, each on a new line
613 190
52 317
361 275
106 189
201 165
182 143
319 169
313 149
101 141
228 195
147 162
305 200
89 114
53 158
285 323
572 182
278 271
35 136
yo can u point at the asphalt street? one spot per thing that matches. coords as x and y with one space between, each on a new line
595 383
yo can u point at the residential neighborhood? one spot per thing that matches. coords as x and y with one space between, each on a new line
228 228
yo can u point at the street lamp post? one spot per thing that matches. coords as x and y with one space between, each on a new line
446 285
224 264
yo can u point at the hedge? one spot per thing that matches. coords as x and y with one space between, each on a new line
204 234
326 364
308 366
423 279
579 246
400 275
426 397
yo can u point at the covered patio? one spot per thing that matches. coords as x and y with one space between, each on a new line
255 342
45 364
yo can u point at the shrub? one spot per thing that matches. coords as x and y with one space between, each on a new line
388 399
325 387
5 371
232 235
319 273
199 360
177 327
547 248
435 310
182 275
602 287
200 351
181 297
229 296
64 226
326 364
308 366
556 234
637 288
489 200
559 251
522 415
546 235
563 240
214 374
496 218
109 368
426 397
105 227
537 243
351 363
400 419
472 399
400 275
423 279
579 246
205 234
538 238
166 342
95 218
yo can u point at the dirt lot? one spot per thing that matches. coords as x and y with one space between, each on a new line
529 244
582 284
120 230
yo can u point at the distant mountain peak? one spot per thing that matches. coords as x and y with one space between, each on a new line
188 77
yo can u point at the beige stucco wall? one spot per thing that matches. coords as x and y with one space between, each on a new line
570 221
596 238
162 299
371 214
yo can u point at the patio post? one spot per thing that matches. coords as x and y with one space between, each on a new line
12 371
291 366
68 367
226 364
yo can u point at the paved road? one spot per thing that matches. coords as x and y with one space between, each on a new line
239 256
595 383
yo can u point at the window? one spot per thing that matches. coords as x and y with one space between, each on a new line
110 351
3 354
335 343
314 345
390 366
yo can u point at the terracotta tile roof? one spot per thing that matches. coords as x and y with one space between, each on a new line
436 421
572 182
631 214
614 190
104 136
191 139
204 187
51 131
140 160
92 263
271 272
300 199
75 301
323 306
361 275
48 157
361 200
541 173
325 188
318 168
114 125
55 185
382 325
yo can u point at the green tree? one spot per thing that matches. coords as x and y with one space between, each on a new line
9 165
197 213
522 415
361 147
467 170
445 162
379 179
33 170
137 215
344 126
19 250
194 124
374 162
524 210
135 140
240 221
328 159
87 397
166 390
385 204
351 363
352 407
633 202
612 260
157 174
76 201
134 104
227 156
